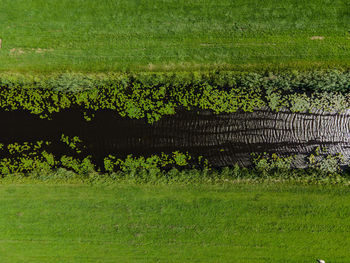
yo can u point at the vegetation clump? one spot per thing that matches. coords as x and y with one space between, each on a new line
153 95
31 160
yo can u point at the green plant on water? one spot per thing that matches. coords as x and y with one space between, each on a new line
26 148
153 95
154 164
299 102
266 162
28 157
325 162
75 143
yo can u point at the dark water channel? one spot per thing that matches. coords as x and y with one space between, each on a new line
223 139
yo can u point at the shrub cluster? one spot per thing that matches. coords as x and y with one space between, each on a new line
149 170
28 159
25 158
152 95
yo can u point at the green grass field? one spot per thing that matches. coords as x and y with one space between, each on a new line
169 35
130 223
197 222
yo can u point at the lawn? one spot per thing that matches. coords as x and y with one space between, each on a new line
199 222
173 223
170 35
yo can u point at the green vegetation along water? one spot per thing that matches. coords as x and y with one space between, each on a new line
221 116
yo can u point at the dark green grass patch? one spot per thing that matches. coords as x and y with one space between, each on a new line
109 35
125 223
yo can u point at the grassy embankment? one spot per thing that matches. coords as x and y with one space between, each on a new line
130 223
110 35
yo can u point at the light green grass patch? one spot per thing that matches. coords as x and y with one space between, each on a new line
129 223
108 35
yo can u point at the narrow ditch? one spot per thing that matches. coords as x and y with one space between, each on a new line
223 139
